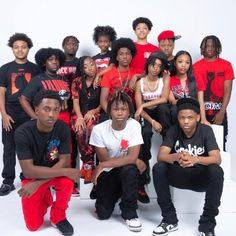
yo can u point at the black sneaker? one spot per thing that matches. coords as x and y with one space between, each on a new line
64 227
142 196
93 193
5 189
210 233
164 228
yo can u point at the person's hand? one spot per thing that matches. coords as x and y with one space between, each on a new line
141 166
97 82
72 174
205 122
6 122
90 115
28 190
79 125
138 113
218 118
156 126
166 74
96 172
185 159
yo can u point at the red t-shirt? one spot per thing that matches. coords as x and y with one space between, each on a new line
177 89
118 80
210 78
143 52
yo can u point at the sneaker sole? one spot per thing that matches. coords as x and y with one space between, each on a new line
164 234
68 234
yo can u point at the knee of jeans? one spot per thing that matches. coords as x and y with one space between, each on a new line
130 169
159 168
215 171
102 213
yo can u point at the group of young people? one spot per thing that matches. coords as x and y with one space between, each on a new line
109 105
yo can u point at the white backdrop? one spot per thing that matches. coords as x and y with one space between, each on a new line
47 22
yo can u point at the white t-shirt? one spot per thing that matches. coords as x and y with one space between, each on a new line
116 142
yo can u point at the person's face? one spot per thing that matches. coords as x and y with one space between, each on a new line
210 51
119 115
188 121
142 31
52 64
167 46
154 70
71 47
90 67
20 49
47 114
182 64
124 57
104 43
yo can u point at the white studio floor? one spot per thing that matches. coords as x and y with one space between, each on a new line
82 217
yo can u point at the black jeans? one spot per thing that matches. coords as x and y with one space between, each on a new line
9 149
200 178
118 182
161 114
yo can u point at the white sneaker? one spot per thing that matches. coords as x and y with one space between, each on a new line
134 225
164 228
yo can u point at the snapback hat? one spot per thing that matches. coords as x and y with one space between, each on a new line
167 34
188 103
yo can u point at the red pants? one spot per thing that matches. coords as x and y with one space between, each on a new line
35 207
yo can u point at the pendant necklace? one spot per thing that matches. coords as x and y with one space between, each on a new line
152 89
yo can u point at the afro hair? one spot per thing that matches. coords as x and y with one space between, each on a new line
43 54
22 37
104 31
142 20
123 43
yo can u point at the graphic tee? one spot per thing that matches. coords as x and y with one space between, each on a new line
210 78
202 141
116 142
15 77
42 148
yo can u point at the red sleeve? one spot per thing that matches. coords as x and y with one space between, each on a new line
199 76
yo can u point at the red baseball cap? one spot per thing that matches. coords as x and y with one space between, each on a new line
168 34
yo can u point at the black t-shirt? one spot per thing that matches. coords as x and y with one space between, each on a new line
48 82
43 148
70 70
202 141
103 60
15 77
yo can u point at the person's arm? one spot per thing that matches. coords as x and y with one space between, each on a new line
165 155
109 162
79 124
6 119
25 103
59 169
172 99
218 119
104 98
202 108
187 160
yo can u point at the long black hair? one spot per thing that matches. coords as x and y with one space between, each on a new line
192 86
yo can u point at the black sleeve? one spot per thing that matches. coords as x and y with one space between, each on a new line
169 138
32 88
3 79
22 145
210 140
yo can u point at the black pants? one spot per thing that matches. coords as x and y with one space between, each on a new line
225 128
119 182
9 149
200 178
161 114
